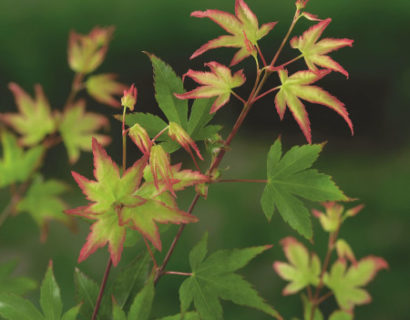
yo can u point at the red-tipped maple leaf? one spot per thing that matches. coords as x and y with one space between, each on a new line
297 87
244 30
116 205
34 120
103 87
315 53
217 83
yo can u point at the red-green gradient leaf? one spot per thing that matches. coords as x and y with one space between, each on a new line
315 53
103 87
34 120
297 87
217 83
244 28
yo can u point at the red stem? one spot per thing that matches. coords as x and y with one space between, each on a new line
187 274
102 287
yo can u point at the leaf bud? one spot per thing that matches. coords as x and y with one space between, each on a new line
129 98
141 138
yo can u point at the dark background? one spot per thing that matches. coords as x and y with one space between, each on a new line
372 166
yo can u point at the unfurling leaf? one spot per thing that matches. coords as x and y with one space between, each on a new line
17 165
116 206
290 177
332 218
87 52
141 138
217 83
42 202
78 127
16 285
13 307
315 53
129 98
302 269
103 87
244 30
34 120
344 251
161 167
298 86
182 137
214 278
346 283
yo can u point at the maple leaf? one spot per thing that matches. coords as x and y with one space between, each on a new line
116 205
217 83
42 202
302 269
87 52
296 87
17 165
77 127
34 120
16 285
214 278
103 87
244 30
346 283
290 177
13 307
315 53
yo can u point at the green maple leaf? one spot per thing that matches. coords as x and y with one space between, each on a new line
290 177
214 278
315 53
34 120
243 28
301 271
77 127
42 202
13 307
187 316
217 83
298 86
17 165
116 205
16 285
341 315
346 283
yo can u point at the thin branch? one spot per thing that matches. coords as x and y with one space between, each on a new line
266 93
261 55
238 97
102 287
240 180
75 88
159 134
324 297
151 254
187 274
286 63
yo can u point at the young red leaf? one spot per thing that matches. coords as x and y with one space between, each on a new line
141 138
161 167
103 87
315 53
331 218
129 98
87 52
346 283
301 270
243 27
297 87
34 120
217 83
77 127
182 137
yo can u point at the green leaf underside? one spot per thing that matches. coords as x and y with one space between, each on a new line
34 120
17 165
290 178
346 283
15 285
13 307
86 292
214 279
42 202
77 127
302 269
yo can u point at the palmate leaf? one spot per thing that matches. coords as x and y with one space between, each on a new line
346 283
13 307
116 206
77 127
298 86
217 83
243 27
315 53
34 120
214 278
43 203
290 178
187 316
17 165
103 87
16 285
302 269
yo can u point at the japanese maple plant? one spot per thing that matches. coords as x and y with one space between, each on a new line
130 205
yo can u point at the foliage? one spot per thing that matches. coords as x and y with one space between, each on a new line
128 204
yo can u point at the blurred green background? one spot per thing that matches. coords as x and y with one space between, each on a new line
373 166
